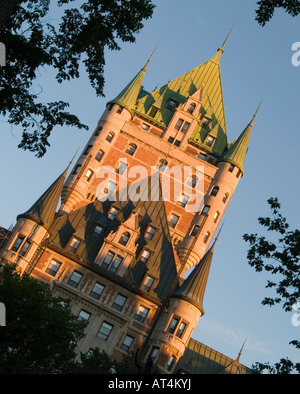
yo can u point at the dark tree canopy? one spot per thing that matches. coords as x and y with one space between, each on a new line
280 257
266 9
81 35
41 333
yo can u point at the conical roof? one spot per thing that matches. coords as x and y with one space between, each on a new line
193 288
180 89
127 98
43 210
238 150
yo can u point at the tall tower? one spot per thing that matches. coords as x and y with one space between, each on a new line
139 209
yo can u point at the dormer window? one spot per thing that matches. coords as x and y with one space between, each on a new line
205 123
150 231
172 104
209 141
112 213
153 111
74 244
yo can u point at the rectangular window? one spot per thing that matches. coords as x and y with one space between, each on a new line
173 325
231 168
145 126
115 264
150 231
171 140
99 155
76 169
183 200
88 175
119 302
153 111
53 267
105 330
74 244
88 148
25 248
98 229
185 127
154 352
18 243
172 104
195 230
205 210
98 131
216 216
141 314
181 329
145 256
147 283
97 290
108 259
206 237
173 220
209 141
83 316
127 343
170 363
75 279
110 187
177 142
179 124
112 213
121 168
202 156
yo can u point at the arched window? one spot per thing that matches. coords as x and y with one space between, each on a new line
161 166
110 136
191 108
214 191
124 238
131 149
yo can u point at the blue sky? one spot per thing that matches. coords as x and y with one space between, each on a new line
255 66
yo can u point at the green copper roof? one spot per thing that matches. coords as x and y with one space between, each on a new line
206 77
193 288
238 150
43 210
127 98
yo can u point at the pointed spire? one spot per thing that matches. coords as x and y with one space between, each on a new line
193 288
238 150
44 209
129 95
217 56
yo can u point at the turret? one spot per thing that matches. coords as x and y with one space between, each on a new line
179 320
79 187
216 200
33 226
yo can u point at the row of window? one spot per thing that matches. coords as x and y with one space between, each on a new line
111 262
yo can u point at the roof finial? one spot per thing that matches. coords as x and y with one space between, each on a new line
224 43
240 352
148 61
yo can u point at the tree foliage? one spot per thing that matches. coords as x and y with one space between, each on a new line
41 333
34 40
280 258
266 9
